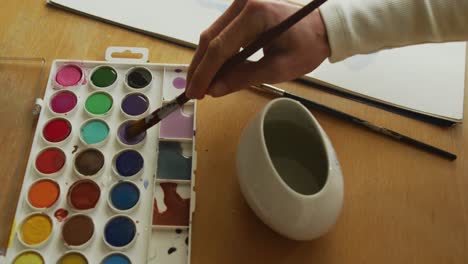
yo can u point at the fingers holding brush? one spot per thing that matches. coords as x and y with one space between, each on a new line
297 51
209 34
238 33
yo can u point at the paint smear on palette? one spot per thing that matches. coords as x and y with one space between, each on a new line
179 83
177 208
61 214
177 125
167 246
171 162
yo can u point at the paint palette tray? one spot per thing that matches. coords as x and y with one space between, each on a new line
90 194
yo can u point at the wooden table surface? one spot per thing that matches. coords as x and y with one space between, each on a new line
401 205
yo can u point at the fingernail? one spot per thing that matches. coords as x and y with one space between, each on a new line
218 89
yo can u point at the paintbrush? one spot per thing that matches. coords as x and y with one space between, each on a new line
363 123
265 38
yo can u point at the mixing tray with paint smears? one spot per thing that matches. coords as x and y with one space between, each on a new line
89 194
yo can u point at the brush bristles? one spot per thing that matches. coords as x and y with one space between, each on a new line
135 128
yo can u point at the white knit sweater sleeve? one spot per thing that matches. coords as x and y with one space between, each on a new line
365 26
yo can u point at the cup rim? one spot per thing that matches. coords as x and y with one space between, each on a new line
316 126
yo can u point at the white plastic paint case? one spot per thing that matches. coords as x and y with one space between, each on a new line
140 250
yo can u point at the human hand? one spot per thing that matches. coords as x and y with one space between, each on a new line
296 52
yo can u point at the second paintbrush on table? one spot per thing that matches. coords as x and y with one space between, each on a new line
355 120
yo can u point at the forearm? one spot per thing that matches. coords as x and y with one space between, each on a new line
365 26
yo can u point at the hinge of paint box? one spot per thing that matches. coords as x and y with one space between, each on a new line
127 54
38 104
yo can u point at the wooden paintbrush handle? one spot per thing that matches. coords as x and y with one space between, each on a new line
182 99
378 129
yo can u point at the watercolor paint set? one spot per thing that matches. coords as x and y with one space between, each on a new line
92 195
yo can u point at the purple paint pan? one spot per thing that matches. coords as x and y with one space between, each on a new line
134 104
124 140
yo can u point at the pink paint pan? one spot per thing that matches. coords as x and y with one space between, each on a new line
69 75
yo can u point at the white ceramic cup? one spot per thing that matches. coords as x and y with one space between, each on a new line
288 171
